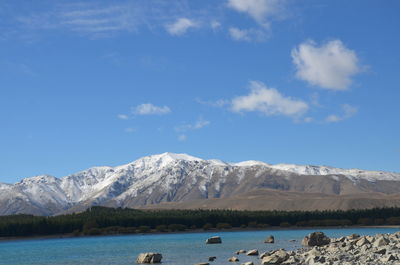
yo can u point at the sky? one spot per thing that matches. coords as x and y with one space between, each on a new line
91 83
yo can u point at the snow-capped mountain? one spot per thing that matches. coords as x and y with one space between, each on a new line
177 178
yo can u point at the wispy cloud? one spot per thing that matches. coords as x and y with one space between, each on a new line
184 129
247 34
181 26
150 109
314 99
94 20
122 116
102 19
260 10
268 101
330 66
348 111
200 123
182 137
216 103
98 19
215 25
109 19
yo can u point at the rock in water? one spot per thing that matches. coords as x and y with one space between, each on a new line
248 263
270 240
149 258
253 252
233 259
276 257
214 240
211 258
316 239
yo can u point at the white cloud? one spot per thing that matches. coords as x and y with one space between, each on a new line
348 111
308 119
259 10
200 123
180 26
122 116
333 118
247 34
239 34
217 103
330 66
268 101
215 24
150 109
182 137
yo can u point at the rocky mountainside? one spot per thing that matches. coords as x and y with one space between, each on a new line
179 180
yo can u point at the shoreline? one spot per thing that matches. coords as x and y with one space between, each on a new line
189 231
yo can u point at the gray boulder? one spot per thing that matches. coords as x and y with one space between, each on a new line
362 241
353 236
149 257
270 240
242 251
276 258
381 241
316 239
214 240
253 252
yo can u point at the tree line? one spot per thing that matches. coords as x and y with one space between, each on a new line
102 220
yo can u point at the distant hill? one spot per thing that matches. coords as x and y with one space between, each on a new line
181 181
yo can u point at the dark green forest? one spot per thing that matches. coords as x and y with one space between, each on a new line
102 221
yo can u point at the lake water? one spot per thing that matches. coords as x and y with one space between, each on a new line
177 249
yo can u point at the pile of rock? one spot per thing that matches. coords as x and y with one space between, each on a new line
350 250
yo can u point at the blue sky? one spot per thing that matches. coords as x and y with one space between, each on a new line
86 83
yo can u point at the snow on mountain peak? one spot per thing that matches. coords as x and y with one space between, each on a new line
162 160
40 179
217 162
250 163
175 156
326 170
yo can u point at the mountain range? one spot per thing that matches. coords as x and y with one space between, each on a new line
171 180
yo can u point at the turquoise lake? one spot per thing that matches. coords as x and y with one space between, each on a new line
177 249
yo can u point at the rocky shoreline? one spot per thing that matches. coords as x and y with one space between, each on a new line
381 249
350 250
353 249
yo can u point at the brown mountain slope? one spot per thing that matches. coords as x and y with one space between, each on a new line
268 199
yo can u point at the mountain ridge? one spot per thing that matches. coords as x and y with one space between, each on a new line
170 177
